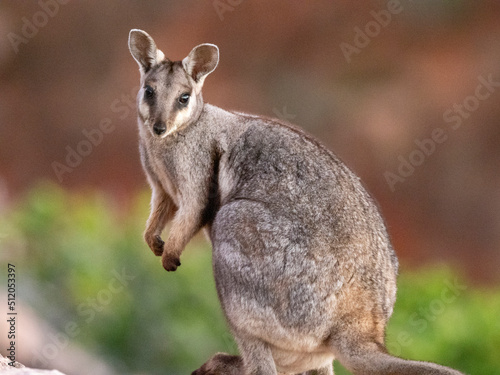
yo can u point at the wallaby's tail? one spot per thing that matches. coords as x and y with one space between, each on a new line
373 360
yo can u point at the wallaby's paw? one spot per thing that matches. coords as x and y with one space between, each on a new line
157 247
156 244
170 262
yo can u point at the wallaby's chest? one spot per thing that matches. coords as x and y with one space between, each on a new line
161 165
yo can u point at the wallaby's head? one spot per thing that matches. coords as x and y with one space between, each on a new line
170 95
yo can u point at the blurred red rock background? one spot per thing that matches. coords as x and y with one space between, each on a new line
405 92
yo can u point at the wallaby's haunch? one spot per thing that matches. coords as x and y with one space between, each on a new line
303 265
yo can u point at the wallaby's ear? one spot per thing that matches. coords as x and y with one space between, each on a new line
143 49
201 61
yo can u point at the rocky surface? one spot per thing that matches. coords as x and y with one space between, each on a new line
19 369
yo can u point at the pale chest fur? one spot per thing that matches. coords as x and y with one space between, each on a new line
157 166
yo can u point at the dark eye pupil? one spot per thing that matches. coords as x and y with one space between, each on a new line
149 92
184 98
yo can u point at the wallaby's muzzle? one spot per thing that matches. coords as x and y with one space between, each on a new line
159 128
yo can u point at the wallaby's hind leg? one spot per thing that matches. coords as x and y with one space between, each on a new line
221 363
256 355
256 359
226 364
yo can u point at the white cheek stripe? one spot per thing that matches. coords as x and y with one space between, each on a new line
169 132
144 109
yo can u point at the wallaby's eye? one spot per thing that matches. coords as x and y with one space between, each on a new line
149 92
184 98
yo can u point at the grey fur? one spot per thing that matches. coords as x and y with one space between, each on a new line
303 264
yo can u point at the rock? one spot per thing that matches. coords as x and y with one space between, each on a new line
19 369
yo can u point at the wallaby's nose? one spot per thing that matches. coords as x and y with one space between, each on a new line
159 128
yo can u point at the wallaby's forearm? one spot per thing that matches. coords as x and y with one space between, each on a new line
162 206
162 211
182 230
188 219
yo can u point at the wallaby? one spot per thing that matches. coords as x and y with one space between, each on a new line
303 265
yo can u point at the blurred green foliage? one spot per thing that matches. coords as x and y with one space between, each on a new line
83 260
